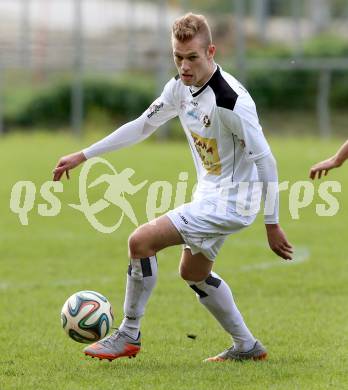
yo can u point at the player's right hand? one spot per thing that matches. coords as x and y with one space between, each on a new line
66 163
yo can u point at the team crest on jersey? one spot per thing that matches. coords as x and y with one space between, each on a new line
208 152
206 121
154 109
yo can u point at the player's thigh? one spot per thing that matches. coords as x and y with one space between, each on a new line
194 267
154 236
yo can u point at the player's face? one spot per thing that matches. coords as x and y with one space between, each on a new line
194 61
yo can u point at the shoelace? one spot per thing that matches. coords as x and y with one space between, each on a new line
112 338
228 351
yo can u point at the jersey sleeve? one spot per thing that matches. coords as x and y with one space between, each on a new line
268 176
161 110
164 107
244 123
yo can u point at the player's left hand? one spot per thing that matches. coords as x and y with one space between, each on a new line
278 242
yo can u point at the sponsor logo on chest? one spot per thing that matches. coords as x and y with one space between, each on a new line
207 149
191 109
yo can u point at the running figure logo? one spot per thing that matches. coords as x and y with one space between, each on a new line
118 185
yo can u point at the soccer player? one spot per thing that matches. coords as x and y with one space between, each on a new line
229 150
333 162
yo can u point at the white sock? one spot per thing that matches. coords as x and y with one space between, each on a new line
217 297
141 279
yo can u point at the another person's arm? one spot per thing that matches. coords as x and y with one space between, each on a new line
333 162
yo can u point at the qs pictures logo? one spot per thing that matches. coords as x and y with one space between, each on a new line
119 187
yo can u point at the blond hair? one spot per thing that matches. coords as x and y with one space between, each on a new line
191 25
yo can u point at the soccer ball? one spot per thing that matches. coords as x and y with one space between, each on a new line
87 316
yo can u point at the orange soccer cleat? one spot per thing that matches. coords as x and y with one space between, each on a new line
117 345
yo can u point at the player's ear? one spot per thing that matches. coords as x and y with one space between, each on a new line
211 51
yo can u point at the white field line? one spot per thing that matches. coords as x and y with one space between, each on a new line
301 255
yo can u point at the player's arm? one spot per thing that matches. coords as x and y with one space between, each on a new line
268 176
333 162
130 133
243 122
258 150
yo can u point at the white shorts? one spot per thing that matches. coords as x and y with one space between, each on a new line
204 227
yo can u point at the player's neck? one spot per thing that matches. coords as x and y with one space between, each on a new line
208 76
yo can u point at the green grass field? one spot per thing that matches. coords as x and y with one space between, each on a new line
298 310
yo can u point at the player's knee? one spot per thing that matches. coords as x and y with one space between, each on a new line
135 247
185 273
138 247
191 274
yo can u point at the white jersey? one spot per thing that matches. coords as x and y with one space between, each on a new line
222 127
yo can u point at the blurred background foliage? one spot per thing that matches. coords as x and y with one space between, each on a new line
121 67
125 96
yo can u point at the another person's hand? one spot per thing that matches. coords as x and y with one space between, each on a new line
278 242
323 167
66 163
